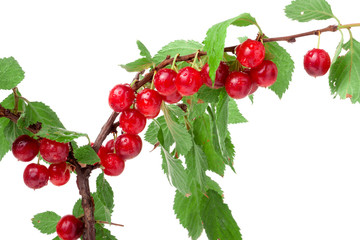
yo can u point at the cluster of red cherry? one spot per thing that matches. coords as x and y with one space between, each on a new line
26 148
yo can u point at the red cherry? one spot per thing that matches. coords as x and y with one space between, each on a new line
54 152
36 176
317 62
250 53
128 146
132 121
110 146
121 97
253 88
188 81
25 148
148 102
238 85
173 98
59 173
69 228
103 152
164 81
113 164
265 74
221 74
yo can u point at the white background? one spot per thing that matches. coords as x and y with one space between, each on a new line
297 161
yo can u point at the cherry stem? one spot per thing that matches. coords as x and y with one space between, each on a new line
16 98
173 64
318 44
115 224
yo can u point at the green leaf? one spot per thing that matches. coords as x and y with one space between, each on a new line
5 145
344 76
143 50
86 155
137 65
77 209
12 131
152 132
59 134
284 64
11 74
217 219
215 40
105 192
187 210
234 114
211 184
181 47
103 233
176 110
203 136
196 163
307 10
174 171
230 148
181 136
222 113
338 49
39 112
209 95
46 222
56 238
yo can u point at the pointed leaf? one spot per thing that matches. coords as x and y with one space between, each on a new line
196 163
137 65
46 222
143 50
39 112
103 233
105 192
11 74
234 114
59 134
307 10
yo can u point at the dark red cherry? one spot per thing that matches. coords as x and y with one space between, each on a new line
103 152
221 74
113 164
59 173
238 85
54 152
128 146
148 102
173 98
36 176
265 74
188 81
317 62
250 53
70 228
253 88
110 146
121 97
25 148
164 81
132 121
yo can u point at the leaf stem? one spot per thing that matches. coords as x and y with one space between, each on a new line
115 224
349 25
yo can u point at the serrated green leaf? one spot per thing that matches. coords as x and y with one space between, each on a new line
153 131
77 209
211 184
56 238
217 218
137 65
103 233
344 76
338 49
86 155
203 137
179 133
215 40
11 74
5 145
196 163
307 10
39 112
46 222
187 210
234 114
174 171
176 110
59 134
181 47
230 148
143 50
209 95
105 192
12 131
284 64
222 115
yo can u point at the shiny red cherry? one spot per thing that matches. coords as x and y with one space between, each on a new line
54 152
173 98
250 53
36 176
128 146
121 97
317 62
265 74
148 102
70 228
238 85
113 164
164 81
59 173
188 81
25 148
132 121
